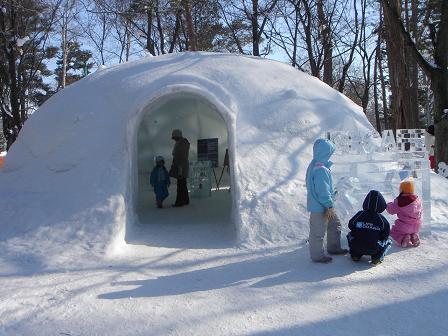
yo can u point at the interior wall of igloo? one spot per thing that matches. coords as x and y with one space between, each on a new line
198 119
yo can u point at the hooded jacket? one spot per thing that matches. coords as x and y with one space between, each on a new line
319 183
408 209
160 181
368 226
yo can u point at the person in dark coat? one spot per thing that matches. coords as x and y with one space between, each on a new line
160 181
369 230
180 167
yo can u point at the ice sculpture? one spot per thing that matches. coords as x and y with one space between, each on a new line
362 164
411 140
388 141
200 180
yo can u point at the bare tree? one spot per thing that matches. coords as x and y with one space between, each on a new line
326 35
192 43
96 24
68 16
319 36
366 52
255 14
376 75
351 46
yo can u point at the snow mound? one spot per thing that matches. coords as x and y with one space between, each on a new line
70 177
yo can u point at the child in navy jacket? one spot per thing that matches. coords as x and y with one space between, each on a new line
160 181
369 230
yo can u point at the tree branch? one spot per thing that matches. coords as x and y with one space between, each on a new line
398 25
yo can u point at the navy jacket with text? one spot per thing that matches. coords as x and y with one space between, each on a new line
368 228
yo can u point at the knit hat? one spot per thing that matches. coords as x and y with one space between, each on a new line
159 158
177 133
407 186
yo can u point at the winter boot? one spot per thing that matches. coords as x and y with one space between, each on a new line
415 240
324 260
339 252
405 242
356 258
375 262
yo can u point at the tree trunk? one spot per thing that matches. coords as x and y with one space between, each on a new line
381 73
411 63
295 37
438 74
190 28
327 43
255 36
439 85
128 40
440 90
14 95
149 40
64 51
161 34
306 23
398 71
375 83
175 32
347 65
386 114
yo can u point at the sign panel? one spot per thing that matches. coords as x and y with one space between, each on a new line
208 151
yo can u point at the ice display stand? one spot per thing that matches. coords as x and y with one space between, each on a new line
363 163
200 179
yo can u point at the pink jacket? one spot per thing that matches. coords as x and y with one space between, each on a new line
409 217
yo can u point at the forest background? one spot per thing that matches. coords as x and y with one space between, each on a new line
389 56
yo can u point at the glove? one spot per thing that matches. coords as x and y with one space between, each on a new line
330 213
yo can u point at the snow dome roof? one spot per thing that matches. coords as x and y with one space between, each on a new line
70 172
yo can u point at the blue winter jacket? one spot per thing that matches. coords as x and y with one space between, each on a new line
319 183
369 230
160 180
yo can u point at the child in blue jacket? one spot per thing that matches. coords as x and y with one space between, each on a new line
160 181
369 230
320 194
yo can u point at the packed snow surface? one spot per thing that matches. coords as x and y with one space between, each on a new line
199 286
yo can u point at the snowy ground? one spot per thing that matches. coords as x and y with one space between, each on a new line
221 290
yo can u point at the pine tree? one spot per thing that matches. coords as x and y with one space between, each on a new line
78 64
24 33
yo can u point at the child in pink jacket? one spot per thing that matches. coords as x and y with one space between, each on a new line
408 208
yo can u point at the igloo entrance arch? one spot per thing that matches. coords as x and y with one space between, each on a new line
207 221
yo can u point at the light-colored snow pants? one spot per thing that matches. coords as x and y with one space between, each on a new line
318 227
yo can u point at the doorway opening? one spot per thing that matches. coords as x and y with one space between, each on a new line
207 222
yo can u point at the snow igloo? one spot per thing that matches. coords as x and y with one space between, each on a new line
80 168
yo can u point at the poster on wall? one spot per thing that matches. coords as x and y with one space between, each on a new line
208 151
